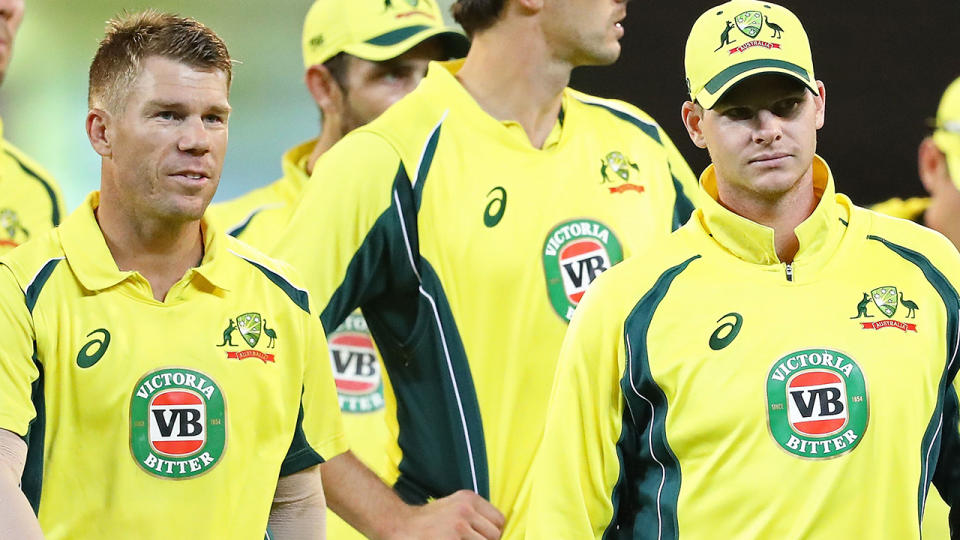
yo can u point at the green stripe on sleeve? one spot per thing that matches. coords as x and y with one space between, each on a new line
646 497
939 451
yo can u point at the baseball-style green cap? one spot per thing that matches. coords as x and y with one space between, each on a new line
742 38
947 130
375 30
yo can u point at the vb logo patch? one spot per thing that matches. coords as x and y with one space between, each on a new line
356 367
250 326
616 169
574 254
887 300
177 423
817 404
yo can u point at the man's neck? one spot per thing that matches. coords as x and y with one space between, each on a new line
161 252
782 214
511 74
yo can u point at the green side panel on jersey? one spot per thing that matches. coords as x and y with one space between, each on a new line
31 481
297 296
55 214
947 476
238 229
621 498
300 455
409 317
649 493
682 206
933 445
32 294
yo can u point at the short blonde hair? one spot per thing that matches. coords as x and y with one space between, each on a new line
131 38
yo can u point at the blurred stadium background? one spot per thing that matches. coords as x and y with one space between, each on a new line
884 67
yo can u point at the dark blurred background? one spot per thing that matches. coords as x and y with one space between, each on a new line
884 64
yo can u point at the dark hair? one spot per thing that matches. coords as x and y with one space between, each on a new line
338 65
131 38
476 15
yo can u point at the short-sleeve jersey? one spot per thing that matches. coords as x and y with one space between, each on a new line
148 419
258 218
467 249
710 390
31 203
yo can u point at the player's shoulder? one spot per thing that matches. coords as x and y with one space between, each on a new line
234 213
615 113
626 283
273 274
14 162
907 237
38 256
408 124
912 208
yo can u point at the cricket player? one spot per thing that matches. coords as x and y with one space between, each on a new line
354 71
782 366
468 220
31 203
939 168
151 362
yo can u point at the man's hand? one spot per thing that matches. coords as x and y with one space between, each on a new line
944 207
463 515
368 505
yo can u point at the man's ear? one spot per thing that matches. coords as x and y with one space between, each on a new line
932 166
325 90
99 131
692 115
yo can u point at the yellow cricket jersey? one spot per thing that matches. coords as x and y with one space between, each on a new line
912 208
935 526
31 203
709 390
467 249
258 218
149 419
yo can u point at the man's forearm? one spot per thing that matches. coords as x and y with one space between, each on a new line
298 511
358 496
17 519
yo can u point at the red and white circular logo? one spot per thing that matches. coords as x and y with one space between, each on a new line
581 261
177 420
817 402
356 367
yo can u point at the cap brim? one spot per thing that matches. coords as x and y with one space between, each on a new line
396 42
728 78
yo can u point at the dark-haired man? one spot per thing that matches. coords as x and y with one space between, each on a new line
468 220
31 203
360 57
718 387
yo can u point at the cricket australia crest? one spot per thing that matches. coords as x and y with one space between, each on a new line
887 299
250 326
616 168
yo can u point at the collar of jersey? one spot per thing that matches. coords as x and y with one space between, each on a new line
819 234
294 164
91 261
441 79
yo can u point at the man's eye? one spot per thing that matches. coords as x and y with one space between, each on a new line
738 113
167 115
787 107
213 119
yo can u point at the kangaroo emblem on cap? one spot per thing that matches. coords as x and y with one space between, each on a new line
725 37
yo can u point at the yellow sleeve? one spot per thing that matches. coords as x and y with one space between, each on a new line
685 182
17 368
576 468
344 233
322 422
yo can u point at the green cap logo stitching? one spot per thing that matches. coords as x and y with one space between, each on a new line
177 423
574 254
817 404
